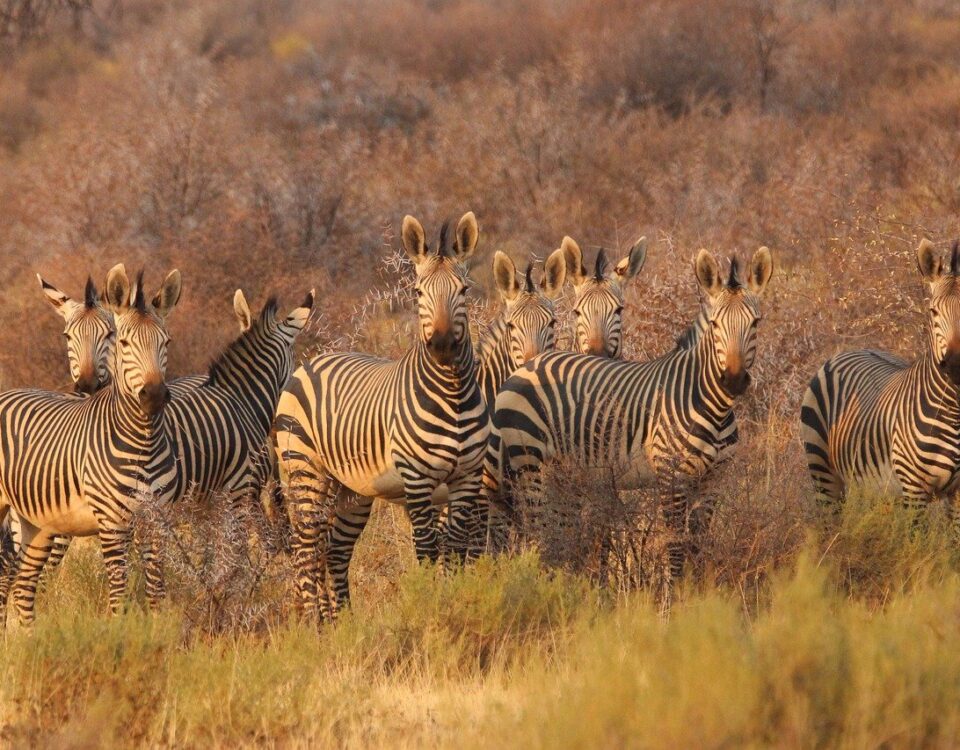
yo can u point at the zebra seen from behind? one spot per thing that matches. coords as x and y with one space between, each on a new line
663 423
80 466
871 418
365 427
598 306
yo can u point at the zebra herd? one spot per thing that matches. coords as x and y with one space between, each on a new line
447 424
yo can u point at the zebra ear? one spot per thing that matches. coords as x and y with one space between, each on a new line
574 258
117 289
554 274
299 316
169 294
413 238
505 276
242 310
708 273
630 266
929 261
761 269
467 235
60 301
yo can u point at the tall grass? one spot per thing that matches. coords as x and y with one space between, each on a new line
510 653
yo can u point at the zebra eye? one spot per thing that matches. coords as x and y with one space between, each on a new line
124 342
65 335
934 312
618 311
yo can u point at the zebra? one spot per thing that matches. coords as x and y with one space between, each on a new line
598 309
397 429
80 466
219 422
871 418
663 423
89 335
525 327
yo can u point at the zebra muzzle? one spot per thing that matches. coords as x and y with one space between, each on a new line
153 397
950 364
737 382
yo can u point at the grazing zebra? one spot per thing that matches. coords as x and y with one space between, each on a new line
873 419
396 430
663 423
598 309
79 466
89 335
525 328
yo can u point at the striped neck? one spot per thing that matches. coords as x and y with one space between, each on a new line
495 362
463 370
256 367
708 393
937 388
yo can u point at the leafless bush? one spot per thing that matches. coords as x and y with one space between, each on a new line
220 561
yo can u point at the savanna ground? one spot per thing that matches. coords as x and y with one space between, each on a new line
276 146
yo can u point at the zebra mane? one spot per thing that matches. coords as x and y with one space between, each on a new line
226 359
139 300
444 249
528 280
601 267
689 338
90 294
734 281
954 259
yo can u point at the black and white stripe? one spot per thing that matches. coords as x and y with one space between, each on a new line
79 467
365 427
663 423
870 418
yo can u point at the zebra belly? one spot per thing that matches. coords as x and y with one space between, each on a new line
75 518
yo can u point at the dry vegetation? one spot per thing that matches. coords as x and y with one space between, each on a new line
275 145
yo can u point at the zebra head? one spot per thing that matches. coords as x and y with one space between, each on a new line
944 308
441 286
598 309
528 309
733 313
89 335
140 359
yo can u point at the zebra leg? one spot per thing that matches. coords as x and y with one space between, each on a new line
311 494
8 561
153 573
34 548
464 516
418 491
675 512
349 523
60 546
115 544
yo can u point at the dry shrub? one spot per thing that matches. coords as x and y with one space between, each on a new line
221 562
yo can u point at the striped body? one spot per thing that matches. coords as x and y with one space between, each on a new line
663 423
362 427
870 418
80 466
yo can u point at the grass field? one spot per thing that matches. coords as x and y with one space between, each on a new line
855 642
